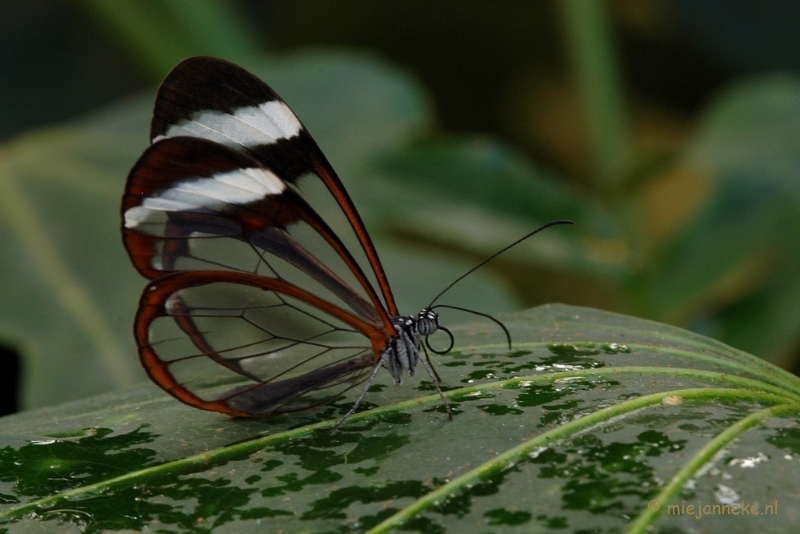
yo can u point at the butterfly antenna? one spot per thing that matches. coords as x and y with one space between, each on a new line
496 321
490 258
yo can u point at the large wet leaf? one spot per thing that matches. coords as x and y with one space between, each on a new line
594 422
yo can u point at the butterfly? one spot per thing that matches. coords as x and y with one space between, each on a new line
262 297
250 283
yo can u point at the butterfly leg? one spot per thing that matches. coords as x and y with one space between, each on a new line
360 398
407 354
435 379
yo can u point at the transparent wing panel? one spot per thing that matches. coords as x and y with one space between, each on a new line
253 349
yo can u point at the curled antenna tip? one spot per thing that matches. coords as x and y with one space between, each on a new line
496 321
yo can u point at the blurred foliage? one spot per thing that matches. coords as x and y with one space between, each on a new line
684 214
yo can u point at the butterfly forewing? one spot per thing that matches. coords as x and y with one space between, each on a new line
213 99
250 345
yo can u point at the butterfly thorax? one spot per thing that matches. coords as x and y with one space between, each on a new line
402 351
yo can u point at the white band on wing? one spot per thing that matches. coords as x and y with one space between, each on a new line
239 187
249 126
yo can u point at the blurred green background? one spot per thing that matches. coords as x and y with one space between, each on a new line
668 130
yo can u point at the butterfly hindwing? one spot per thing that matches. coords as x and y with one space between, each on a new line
249 345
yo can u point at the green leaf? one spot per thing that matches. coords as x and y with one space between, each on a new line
595 66
742 247
160 33
593 422
478 195
68 292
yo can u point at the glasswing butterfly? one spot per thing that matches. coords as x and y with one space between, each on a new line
258 303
